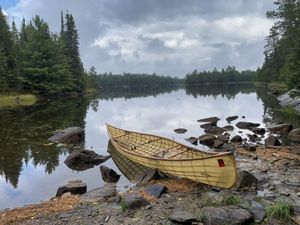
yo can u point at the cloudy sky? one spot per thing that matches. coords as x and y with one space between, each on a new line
171 37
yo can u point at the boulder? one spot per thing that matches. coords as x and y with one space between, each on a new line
253 137
223 137
183 217
68 135
258 212
281 128
134 201
207 139
109 175
294 135
250 147
156 190
192 140
260 131
180 130
228 128
236 138
218 143
232 215
214 130
227 148
209 120
247 181
208 125
74 187
247 125
231 118
98 194
290 98
272 141
84 159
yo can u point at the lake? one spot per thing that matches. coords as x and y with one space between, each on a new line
31 171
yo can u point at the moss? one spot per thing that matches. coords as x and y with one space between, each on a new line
280 210
17 100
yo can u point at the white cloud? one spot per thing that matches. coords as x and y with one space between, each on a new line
157 36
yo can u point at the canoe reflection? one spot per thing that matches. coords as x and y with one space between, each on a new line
133 171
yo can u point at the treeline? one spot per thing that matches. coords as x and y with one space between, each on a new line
282 51
32 59
110 81
230 74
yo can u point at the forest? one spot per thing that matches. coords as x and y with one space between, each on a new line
35 60
32 59
230 74
282 49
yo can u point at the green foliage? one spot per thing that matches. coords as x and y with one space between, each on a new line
123 205
230 74
36 60
280 210
282 51
110 81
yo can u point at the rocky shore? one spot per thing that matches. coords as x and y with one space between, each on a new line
267 191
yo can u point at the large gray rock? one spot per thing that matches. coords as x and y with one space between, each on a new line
247 181
227 148
272 141
226 215
214 130
258 212
281 128
156 190
209 120
228 128
207 139
250 147
218 143
236 138
257 130
105 192
133 201
74 187
223 137
208 125
247 125
231 118
84 159
290 98
294 135
109 175
68 135
183 217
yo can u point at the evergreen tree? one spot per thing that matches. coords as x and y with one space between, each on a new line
71 49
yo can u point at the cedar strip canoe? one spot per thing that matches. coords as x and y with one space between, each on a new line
216 169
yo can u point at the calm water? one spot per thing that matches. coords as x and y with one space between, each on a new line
31 172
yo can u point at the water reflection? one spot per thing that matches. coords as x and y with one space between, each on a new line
24 131
31 171
131 170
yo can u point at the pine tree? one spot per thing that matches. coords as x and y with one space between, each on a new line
71 49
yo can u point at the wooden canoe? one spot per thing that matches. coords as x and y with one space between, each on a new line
216 169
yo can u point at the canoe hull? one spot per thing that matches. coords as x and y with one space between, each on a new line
217 170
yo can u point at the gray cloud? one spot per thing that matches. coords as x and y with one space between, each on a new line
169 37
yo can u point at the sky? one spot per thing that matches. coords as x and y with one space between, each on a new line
169 37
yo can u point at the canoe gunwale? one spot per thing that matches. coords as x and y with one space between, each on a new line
211 155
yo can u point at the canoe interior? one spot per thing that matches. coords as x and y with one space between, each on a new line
154 146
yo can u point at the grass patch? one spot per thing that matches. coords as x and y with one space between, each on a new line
17 100
123 205
231 199
280 210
